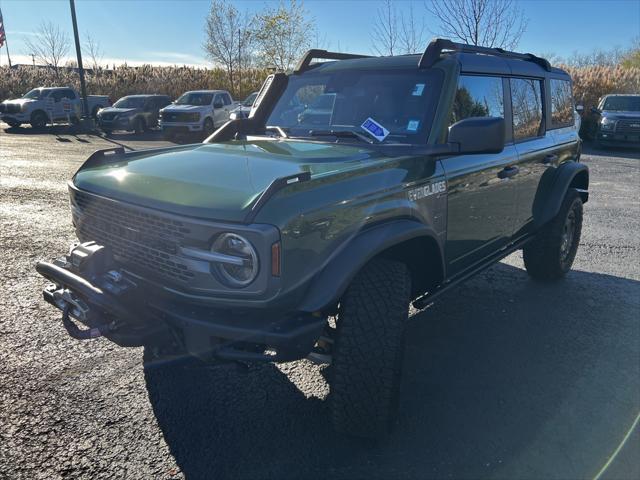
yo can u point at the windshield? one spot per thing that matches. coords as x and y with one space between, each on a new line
622 104
195 98
130 102
248 102
34 94
399 104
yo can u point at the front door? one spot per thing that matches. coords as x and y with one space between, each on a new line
481 197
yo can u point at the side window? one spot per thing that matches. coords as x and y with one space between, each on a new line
218 100
226 98
561 104
477 97
526 101
56 95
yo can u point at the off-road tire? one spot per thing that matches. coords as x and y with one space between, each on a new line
38 120
550 255
369 349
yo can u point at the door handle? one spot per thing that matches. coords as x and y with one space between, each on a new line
508 172
551 158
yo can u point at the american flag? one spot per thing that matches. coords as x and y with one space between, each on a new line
3 37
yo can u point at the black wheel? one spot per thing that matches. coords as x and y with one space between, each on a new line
208 127
138 126
550 255
369 349
38 120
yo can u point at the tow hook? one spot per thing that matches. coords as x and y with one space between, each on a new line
72 306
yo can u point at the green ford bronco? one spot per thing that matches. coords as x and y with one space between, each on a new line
356 186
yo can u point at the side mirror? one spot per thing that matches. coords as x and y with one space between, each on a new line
595 111
579 109
478 135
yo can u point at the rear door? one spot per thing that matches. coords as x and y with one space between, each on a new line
481 197
536 147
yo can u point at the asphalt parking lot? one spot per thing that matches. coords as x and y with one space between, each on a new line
504 378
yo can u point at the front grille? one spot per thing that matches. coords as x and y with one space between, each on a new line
138 239
178 117
628 125
107 116
9 108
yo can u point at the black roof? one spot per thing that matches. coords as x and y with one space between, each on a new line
471 59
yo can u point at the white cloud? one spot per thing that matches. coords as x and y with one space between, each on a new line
111 61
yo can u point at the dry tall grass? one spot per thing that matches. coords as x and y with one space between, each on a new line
121 81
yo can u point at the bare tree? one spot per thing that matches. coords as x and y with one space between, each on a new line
283 34
385 33
49 45
93 50
489 23
229 39
412 32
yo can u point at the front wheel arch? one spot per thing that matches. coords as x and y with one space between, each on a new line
389 240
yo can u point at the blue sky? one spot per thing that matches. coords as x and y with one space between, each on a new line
171 32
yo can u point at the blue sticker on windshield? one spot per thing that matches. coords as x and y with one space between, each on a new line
418 89
375 129
413 125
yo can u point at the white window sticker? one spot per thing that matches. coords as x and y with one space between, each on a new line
375 129
418 89
413 125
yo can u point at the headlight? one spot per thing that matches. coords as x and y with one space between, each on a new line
245 270
607 124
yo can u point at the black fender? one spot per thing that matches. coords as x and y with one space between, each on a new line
553 187
332 281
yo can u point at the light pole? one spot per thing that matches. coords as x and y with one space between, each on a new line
83 87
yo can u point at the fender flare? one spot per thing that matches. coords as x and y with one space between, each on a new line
331 282
553 188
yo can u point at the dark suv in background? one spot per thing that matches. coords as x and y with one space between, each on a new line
619 120
132 113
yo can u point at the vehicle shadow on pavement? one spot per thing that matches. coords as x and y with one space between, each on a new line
504 378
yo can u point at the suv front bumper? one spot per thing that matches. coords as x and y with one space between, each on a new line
90 289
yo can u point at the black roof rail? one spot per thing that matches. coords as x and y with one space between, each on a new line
315 54
438 45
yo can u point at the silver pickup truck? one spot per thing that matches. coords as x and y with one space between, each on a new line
42 106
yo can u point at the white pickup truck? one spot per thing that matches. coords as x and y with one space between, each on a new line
42 106
200 111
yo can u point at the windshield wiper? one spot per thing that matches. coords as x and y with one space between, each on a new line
341 133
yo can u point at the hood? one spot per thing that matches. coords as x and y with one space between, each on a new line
184 108
215 181
118 110
19 101
615 115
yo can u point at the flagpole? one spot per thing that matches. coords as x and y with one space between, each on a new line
6 43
